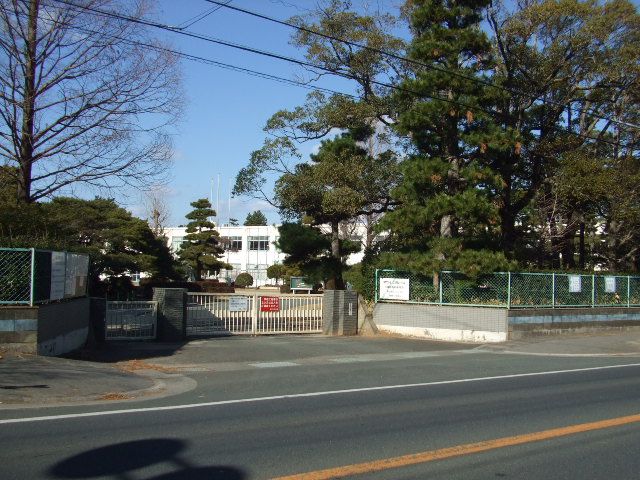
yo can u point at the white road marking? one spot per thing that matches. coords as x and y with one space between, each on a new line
274 364
304 395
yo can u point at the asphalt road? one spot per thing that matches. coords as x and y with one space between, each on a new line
296 419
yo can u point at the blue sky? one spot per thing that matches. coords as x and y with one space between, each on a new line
226 110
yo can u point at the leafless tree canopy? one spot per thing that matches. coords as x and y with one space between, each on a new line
157 210
84 98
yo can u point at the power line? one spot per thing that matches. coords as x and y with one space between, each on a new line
216 63
309 65
201 16
410 60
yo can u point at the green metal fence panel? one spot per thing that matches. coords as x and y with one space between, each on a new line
573 290
486 290
529 290
611 291
517 289
634 291
15 275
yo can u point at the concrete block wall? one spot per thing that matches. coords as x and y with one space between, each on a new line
554 321
50 329
19 328
442 322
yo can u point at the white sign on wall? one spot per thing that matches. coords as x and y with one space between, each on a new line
238 304
58 272
394 288
575 283
610 284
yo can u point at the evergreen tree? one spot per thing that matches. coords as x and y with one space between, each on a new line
446 218
256 218
342 183
202 250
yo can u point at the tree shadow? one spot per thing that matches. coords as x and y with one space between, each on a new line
21 387
120 459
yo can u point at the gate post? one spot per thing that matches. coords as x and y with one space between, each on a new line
340 312
254 315
172 313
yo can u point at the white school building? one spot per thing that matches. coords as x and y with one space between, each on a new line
248 249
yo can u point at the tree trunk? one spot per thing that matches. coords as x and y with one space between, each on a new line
582 253
28 106
335 282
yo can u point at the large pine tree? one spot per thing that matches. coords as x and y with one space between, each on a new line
446 215
202 249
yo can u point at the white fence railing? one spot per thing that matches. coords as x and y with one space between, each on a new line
224 314
131 320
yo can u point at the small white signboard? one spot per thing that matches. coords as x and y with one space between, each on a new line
58 271
610 284
394 288
575 283
238 304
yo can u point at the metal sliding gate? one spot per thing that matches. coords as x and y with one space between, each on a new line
131 320
225 314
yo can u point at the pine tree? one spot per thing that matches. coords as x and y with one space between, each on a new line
202 250
446 215
256 218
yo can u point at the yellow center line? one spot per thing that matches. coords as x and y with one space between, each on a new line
459 450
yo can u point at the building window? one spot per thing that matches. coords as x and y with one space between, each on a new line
235 243
258 243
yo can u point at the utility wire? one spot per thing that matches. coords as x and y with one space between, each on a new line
216 63
201 16
309 65
409 60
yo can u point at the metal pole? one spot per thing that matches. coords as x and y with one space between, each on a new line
376 286
628 291
33 274
509 290
593 291
440 287
553 290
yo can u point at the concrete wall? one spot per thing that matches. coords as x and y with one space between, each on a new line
548 321
467 324
19 328
51 329
63 327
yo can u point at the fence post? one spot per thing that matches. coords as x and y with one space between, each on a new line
33 276
509 290
376 287
440 287
254 316
593 291
628 291
553 290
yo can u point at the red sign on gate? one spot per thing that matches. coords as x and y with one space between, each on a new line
269 304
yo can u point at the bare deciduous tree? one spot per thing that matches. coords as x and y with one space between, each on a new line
85 98
157 210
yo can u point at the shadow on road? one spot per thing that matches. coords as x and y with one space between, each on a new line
120 459
119 351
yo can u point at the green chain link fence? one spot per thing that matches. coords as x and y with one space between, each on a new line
15 275
509 289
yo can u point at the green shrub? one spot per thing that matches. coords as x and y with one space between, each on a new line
244 280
